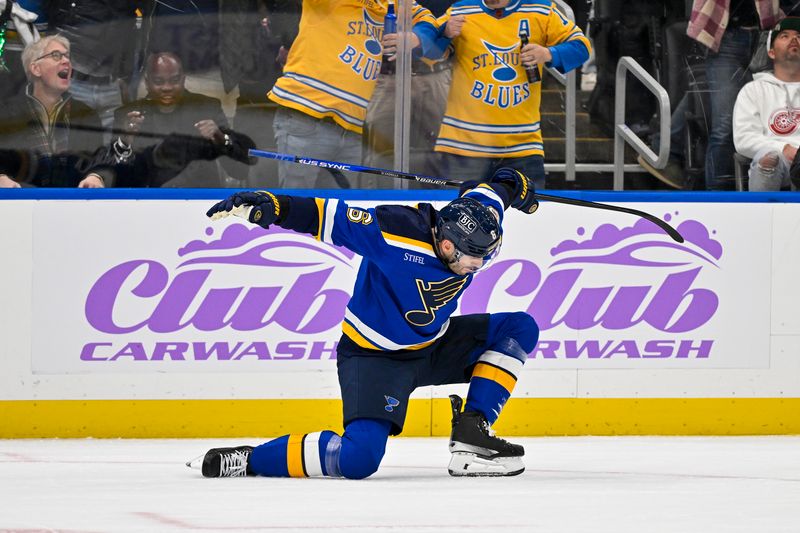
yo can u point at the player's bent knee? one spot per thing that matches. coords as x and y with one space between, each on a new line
358 465
524 329
363 446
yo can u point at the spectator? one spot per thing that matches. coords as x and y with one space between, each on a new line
327 83
101 33
492 117
169 108
729 29
47 120
430 83
765 115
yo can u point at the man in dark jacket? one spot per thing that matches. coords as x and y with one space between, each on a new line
168 109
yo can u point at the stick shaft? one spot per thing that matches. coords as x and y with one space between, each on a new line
672 232
322 163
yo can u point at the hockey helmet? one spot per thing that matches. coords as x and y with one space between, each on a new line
470 226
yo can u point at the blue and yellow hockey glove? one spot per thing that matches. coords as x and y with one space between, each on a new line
258 207
520 188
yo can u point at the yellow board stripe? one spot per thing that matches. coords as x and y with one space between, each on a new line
150 419
294 456
493 373
321 214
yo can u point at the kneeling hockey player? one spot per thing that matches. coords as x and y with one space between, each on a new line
398 333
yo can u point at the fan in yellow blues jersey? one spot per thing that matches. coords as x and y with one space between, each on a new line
328 81
492 118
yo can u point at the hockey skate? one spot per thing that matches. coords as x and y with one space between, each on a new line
224 462
475 449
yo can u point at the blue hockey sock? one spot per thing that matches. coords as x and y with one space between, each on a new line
511 337
298 455
355 455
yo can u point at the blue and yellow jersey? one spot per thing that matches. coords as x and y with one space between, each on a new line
404 294
492 110
336 58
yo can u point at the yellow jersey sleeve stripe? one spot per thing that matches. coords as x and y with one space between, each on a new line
294 456
321 215
403 242
498 375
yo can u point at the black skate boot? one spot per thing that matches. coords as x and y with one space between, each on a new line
224 462
476 451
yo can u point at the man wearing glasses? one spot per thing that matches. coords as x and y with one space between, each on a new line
46 120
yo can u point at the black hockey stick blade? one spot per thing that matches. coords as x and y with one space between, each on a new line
672 232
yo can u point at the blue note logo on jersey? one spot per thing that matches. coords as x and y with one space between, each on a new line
505 65
502 59
434 295
391 403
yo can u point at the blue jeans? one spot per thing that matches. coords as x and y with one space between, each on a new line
303 135
465 168
727 73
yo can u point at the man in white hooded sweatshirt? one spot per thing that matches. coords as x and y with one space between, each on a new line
766 117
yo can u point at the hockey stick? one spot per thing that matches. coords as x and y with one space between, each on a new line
432 180
341 179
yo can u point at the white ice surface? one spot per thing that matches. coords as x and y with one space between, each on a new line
588 484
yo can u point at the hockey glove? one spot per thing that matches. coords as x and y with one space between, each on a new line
258 207
519 187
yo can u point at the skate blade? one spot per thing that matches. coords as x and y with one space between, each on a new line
196 463
470 465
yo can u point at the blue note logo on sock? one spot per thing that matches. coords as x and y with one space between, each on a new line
391 403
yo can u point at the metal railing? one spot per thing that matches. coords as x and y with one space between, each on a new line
623 134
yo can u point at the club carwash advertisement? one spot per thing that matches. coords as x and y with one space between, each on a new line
155 286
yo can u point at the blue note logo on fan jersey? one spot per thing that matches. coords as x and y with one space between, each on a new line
503 59
391 403
508 86
366 64
434 295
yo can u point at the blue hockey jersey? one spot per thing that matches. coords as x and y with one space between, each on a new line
404 294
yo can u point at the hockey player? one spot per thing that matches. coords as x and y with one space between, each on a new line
398 333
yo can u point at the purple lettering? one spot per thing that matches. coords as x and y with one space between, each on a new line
703 350
174 350
132 349
318 349
87 352
176 301
658 349
547 350
304 296
290 350
259 349
672 295
104 293
627 348
592 349
251 313
222 350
